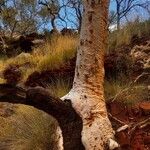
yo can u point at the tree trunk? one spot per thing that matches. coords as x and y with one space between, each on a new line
118 22
118 15
53 22
87 94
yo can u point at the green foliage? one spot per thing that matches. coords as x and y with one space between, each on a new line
49 11
49 7
8 15
20 16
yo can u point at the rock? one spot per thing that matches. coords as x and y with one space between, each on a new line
113 144
147 140
123 140
116 64
25 44
54 32
12 74
6 110
26 128
147 65
23 55
68 31
145 107
137 142
141 57
38 42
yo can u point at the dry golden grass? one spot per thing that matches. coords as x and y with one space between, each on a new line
112 88
59 50
126 93
28 128
59 88
52 55
1 69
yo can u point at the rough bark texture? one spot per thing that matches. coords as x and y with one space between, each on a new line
70 122
87 92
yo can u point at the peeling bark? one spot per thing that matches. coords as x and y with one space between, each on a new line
87 94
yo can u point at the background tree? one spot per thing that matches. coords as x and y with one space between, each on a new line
123 7
52 10
112 17
19 16
75 8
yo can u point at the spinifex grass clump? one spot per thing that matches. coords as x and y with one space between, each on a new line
12 74
58 50
53 54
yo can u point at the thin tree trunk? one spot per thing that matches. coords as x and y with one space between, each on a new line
87 94
53 22
118 22
118 15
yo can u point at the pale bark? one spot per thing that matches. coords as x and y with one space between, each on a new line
87 94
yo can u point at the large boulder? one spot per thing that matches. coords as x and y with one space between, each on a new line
26 128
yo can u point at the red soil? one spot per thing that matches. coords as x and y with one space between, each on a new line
137 135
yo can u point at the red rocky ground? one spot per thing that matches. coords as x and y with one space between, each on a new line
137 135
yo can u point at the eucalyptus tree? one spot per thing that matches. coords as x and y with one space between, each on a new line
74 13
81 114
19 16
123 7
52 11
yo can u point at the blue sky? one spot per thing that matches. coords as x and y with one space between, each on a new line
131 16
